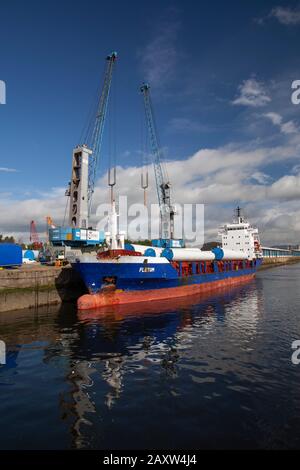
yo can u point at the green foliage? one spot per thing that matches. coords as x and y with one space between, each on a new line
7 239
139 242
210 245
30 246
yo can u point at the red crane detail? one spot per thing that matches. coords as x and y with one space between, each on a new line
34 238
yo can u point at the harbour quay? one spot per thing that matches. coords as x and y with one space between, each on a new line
34 286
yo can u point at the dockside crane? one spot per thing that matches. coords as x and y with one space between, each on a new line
163 185
85 160
86 157
34 237
97 135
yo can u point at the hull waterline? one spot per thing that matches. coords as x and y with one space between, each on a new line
117 297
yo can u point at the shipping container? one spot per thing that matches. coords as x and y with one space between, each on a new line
10 255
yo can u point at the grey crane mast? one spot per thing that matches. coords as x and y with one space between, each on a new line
163 185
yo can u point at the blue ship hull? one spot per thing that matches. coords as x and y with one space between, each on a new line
135 277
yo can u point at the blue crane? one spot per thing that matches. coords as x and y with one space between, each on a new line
85 160
163 185
97 134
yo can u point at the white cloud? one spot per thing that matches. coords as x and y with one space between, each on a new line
186 125
286 15
159 58
226 175
261 177
252 93
296 169
288 127
286 188
279 223
274 117
7 170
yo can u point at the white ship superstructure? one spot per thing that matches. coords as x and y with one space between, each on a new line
241 236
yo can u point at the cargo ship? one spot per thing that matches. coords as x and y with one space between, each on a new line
124 274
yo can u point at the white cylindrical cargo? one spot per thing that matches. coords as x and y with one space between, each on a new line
234 255
143 248
158 251
183 254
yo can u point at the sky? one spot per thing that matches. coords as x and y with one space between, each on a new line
220 76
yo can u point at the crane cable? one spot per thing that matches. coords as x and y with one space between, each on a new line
112 145
86 133
144 149
65 214
161 156
97 133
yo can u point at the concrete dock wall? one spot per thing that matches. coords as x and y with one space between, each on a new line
278 261
34 286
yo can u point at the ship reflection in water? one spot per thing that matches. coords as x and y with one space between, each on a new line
186 373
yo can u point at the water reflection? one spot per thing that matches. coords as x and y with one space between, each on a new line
105 355
77 404
112 343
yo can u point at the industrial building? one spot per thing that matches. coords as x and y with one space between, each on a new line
273 252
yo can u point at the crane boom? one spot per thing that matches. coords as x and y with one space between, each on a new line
85 157
163 186
97 135
34 237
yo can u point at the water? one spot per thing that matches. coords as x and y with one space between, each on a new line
216 373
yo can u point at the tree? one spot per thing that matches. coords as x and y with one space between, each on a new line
139 242
210 245
7 239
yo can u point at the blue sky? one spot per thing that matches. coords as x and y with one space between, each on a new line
220 73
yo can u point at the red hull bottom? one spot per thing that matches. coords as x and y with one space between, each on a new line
92 301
